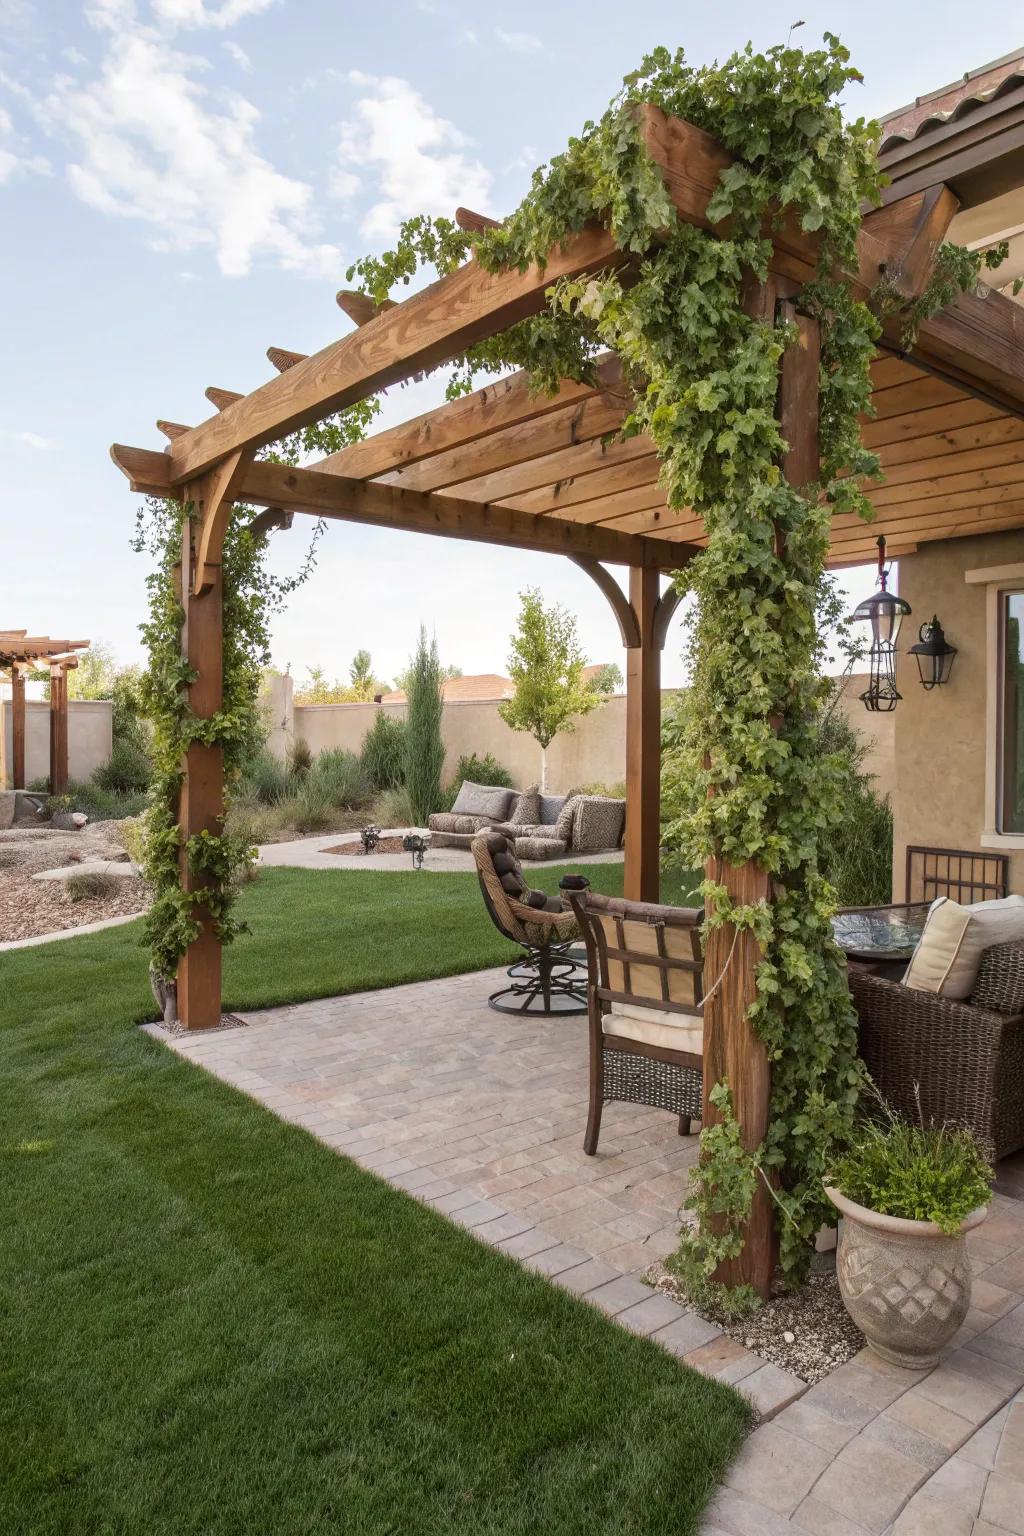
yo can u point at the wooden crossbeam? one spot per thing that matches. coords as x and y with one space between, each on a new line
222 398
388 506
283 360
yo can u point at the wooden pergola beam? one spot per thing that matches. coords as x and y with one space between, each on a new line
427 329
389 506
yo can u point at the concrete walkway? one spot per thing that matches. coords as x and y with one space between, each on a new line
71 933
482 1117
308 853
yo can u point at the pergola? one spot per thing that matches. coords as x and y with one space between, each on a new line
503 466
19 653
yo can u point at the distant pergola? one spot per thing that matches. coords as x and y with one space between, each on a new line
503 466
20 653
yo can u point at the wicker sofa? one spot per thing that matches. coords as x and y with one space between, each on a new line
965 1060
538 826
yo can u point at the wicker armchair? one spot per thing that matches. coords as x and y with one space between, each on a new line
964 1059
549 979
645 997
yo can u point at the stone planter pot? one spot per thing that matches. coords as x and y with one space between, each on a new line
906 1284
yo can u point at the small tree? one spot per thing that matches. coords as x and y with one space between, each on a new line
546 664
424 748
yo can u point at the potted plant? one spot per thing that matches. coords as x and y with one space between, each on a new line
908 1196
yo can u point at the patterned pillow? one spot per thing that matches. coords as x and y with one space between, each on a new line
526 812
566 817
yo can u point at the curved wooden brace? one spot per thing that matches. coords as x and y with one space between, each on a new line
629 625
664 612
214 495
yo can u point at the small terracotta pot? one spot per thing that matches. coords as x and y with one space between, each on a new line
906 1284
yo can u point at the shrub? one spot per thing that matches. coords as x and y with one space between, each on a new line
924 1173
313 809
90 884
342 777
300 758
424 749
383 754
127 771
133 836
393 808
267 780
856 855
97 803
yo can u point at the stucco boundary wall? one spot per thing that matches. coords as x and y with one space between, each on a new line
593 753
90 738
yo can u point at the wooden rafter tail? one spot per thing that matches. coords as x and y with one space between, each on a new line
359 307
474 223
273 518
283 360
147 471
171 429
222 398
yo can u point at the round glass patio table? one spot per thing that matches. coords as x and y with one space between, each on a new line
880 934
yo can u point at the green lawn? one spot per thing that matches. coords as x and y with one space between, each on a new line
210 1323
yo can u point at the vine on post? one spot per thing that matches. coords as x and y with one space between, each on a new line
251 596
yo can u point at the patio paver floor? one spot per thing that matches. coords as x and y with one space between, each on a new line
482 1116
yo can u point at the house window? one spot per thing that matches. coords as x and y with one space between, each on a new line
1011 712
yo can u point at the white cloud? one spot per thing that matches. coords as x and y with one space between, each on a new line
36 440
74 56
200 13
518 42
150 144
14 156
419 159
239 55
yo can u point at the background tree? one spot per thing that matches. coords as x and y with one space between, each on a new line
402 680
364 684
607 679
424 748
546 664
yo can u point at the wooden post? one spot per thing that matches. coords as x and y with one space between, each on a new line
731 1049
642 874
58 730
17 727
201 805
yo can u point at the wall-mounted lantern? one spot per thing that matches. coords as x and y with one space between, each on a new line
935 655
884 612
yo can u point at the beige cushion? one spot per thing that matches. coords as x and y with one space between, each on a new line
485 800
947 957
656 1026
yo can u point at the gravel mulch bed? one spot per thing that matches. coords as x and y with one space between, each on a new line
808 1332
30 907
386 845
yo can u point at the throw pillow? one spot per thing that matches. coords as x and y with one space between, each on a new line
550 809
526 811
947 958
482 800
565 819
512 883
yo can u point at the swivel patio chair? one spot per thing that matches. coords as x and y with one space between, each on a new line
550 979
645 996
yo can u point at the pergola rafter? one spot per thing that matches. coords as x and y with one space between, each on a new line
504 466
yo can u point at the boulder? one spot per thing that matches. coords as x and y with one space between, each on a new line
8 801
68 821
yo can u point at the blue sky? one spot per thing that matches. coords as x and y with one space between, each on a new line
182 183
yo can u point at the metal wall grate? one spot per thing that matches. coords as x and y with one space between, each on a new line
957 873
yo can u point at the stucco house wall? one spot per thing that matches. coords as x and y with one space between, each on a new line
89 738
941 772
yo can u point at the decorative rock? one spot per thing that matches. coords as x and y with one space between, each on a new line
8 801
789 1336
69 821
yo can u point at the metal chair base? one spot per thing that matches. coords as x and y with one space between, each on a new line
546 983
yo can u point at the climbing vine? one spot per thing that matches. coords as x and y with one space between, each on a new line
748 780
251 596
